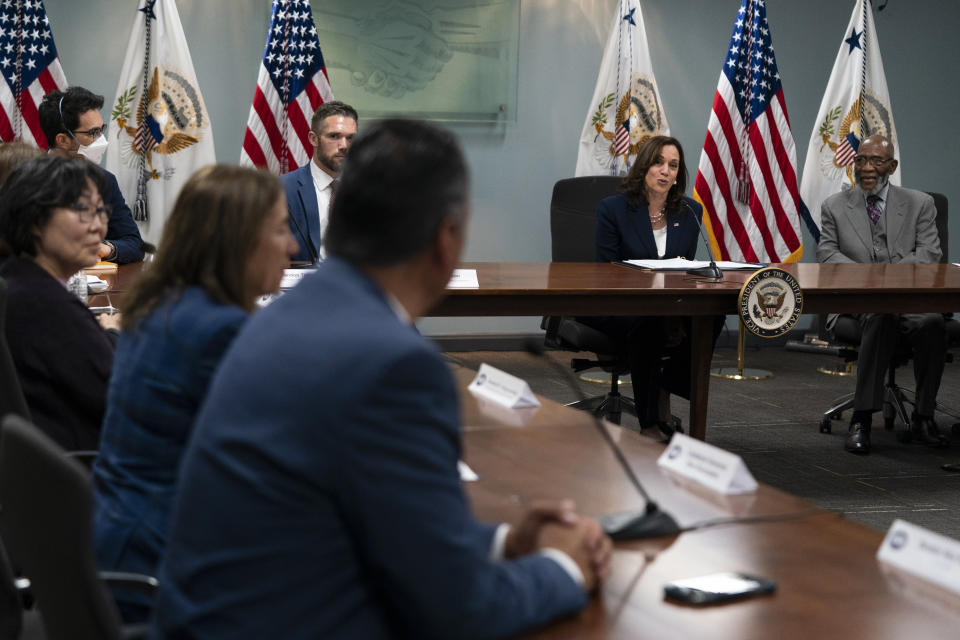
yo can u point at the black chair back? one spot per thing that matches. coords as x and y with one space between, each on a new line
46 523
573 214
11 395
940 202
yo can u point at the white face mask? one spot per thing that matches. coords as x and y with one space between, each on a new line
94 152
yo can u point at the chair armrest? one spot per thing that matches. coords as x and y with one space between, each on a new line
134 581
86 458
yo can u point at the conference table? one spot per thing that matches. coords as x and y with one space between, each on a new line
829 583
602 289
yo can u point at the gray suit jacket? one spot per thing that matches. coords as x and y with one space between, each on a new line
845 234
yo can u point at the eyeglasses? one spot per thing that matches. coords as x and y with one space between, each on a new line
95 132
85 212
874 161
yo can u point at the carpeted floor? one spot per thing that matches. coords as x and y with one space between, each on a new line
774 425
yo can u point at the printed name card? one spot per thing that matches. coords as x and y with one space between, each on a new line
466 473
705 464
502 388
922 553
464 279
292 277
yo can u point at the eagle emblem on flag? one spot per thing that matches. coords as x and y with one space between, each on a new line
637 117
840 138
169 118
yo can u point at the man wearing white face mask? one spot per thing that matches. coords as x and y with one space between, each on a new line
72 124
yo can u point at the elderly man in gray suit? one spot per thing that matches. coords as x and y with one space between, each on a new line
879 222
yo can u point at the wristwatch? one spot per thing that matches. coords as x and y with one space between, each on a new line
113 251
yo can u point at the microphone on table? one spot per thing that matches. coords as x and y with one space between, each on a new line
652 522
711 270
314 259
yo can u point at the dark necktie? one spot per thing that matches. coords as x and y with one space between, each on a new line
873 208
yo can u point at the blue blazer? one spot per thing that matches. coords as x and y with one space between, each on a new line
304 212
161 372
320 497
122 231
623 232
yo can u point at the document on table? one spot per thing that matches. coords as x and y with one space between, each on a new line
682 264
463 279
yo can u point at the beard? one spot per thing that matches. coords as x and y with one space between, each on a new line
333 163
882 181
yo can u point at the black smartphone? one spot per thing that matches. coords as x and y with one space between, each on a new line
717 587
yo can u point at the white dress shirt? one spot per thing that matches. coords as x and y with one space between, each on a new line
322 182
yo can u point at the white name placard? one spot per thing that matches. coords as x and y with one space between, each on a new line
292 277
705 464
922 553
466 473
502 388
464 279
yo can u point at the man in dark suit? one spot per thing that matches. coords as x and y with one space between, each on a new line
72 125
319 495
879 222
310 188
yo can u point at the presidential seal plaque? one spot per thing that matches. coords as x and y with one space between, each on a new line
770 302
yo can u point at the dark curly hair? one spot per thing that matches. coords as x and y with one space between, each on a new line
635 186
71 104
34 190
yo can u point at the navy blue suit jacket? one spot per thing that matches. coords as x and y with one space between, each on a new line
320 498
122 231
623 231
304 212
161 373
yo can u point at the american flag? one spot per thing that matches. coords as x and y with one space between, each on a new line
747 178
847 150
291 84
621 141
30 67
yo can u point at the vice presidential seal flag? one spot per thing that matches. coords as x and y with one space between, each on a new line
291 84
30 68
159 128
747 177
855 105
625 110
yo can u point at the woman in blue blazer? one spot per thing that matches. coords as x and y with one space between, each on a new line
652 219
225 244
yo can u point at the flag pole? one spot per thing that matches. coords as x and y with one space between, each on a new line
740 372
140 212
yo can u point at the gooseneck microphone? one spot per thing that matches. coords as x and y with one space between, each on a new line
314 259
711 270
652 522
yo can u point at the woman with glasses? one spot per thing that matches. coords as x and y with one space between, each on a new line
52 221
225 244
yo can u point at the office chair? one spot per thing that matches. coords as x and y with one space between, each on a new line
46 509
573 212
11 394
847 336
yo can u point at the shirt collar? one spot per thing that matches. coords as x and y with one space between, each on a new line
882 194
321 178
398 308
